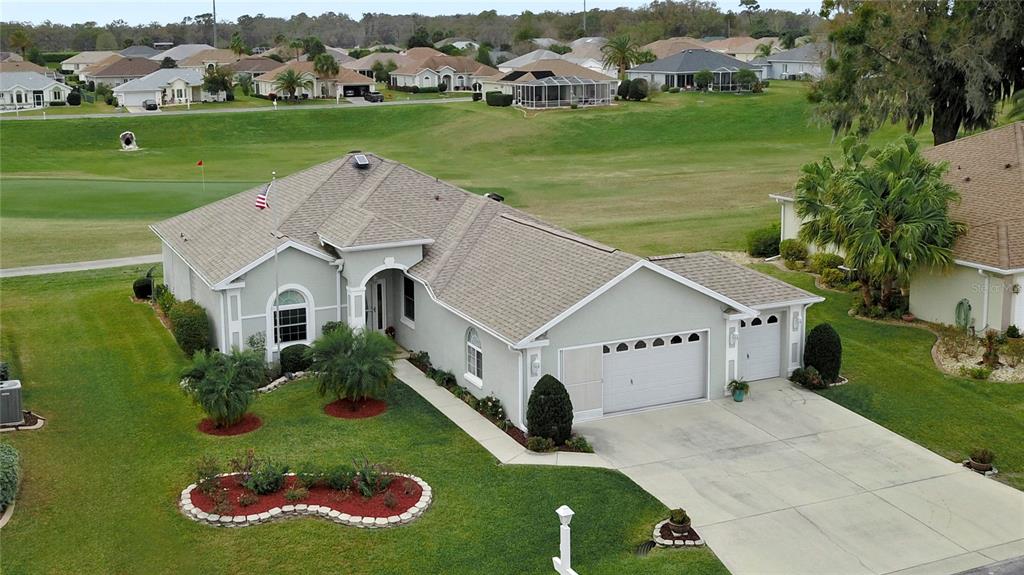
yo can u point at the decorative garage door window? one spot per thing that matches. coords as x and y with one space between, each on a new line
653 371
290 317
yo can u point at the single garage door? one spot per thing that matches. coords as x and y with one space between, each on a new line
760 352
655 371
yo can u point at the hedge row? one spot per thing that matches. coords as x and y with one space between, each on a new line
497 98
10 474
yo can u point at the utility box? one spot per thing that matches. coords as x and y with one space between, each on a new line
10 403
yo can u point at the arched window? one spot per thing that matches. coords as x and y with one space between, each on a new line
291 317
658 342
621 347
693 337
676 339
604 349
640 345
474 355
755 322
773 319
743 323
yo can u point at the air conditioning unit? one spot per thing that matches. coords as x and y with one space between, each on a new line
10 403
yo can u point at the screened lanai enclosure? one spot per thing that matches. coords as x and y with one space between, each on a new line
563 92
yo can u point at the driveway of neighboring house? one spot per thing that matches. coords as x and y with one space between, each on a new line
788 482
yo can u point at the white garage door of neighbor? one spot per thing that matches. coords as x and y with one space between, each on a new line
760 353
655 371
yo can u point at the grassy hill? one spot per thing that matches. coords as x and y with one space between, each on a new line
684 172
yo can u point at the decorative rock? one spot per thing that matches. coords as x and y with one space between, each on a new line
226 519
202 515
346 518
288 508
275 512
301 507
213 518
394 519
239 519
334 514
381 522
367 521
405 517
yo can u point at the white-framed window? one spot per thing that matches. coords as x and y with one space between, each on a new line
291 317
408 299
57 95
474 358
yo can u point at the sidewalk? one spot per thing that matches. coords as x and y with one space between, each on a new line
79 266
501 446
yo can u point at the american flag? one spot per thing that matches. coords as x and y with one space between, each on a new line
261 198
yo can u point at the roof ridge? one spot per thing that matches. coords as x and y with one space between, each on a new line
475 209
559 233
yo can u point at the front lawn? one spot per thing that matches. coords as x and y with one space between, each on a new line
894 382
102 478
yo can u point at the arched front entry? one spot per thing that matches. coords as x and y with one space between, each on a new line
370 301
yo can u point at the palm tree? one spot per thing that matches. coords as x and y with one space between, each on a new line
296 45
291 81
620 52
20 41
765 50
224 386
326 68
890 217
352 365
237 45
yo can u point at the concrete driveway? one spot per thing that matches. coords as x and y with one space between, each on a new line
790 483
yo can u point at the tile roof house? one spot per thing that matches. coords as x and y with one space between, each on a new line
253 66
27 89
804 61
987 169
205 59
23 66
742 48
123 70
139 51
492 293
180 52
365 64
345 83
679 70
554 83
455 72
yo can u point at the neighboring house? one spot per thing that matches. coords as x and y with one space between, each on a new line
85 75
669 46
388 47
528 58
30 90
493 294
83 60
678 70
253 66
987 169
365 64
554 83
801 62
208 59
458 43
22 66
588 47
742 48
422 53
123 70
345 83
180 52
455 72
545 42
139 51
167 87
10 57
340 55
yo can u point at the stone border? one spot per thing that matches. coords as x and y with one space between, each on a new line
7 515
989 473
38 424
280 381
669 543
301 509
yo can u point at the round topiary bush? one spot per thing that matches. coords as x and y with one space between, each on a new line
764 242
75 98
638 89
824 352
191 326
143 288
549 411
10 474
623 90
295 358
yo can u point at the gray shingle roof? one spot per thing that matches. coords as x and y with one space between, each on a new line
27 80
749 287
692 61
812 52
161 78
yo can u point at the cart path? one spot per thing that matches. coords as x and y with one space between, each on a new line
79 266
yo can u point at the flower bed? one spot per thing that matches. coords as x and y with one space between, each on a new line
348 409
249 422
410 497
664 537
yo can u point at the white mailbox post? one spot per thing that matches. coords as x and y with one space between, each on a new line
563 564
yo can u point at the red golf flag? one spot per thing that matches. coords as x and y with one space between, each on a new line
199 163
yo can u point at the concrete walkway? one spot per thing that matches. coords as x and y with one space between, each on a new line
494 440
79 266
788 482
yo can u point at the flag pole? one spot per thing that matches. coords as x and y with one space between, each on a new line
204 178
277 280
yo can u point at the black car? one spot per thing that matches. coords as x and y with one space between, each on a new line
373 97
149 105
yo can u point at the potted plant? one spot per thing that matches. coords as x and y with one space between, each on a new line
739 389
679 522
981 460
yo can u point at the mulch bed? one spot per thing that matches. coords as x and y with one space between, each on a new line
520 436
405 491
666 533
347 409
248 423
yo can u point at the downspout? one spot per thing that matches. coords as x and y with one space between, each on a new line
984 304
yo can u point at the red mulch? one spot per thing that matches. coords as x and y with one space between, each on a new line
343 501
248 423
666 533
346 409
520 436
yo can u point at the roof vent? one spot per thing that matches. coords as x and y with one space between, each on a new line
495 197
361 161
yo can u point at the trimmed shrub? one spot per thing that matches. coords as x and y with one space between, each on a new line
833 278
579 443
143 288
793 250
445 379
491 407
549 411
295 358
764 242
824 352
419 359
75 98
496 98
1012 332
164 298
664 88
330 326
638 89
191 326
224 385
340 477
540 444
623 90
978 372
58 103
353 365
807 377
10 474
267 478
822 261
673 90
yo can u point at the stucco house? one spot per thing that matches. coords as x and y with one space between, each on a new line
493 294
22 66
988 171
742 48
209 59
345 83
679 70
180 52
83 60
30 90
555 83
455 72
804 61
668 46
252 66
167 87
122 70
458 43
365 64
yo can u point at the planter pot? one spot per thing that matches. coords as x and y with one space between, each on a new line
908 317
981 466
679 529
738 395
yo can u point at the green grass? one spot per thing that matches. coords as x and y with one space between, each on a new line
97 107
684 172
102 478
894 382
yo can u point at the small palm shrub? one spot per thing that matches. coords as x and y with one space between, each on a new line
1013 332
191 326
295 494
266 478
549 411
10 474
224 385
371 478
990 357
295 358
979 372
824 352
353 366
763 242
793 250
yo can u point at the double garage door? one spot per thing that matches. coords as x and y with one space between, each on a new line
654 371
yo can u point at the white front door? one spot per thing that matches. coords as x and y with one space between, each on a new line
38 96
655 371
760 352
376 304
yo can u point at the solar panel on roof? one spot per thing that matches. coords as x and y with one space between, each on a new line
543 74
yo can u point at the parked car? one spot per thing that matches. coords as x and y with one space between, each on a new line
149 105
373 96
